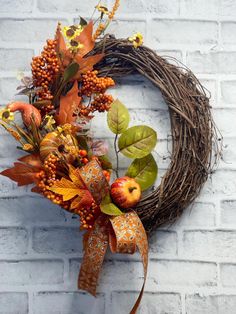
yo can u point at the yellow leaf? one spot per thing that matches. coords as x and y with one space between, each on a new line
74 188
65 188
75 177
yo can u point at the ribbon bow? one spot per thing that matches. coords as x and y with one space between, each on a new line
124 234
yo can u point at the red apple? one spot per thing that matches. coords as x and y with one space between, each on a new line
125 192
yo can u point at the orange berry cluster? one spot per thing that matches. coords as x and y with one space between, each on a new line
101 103
92 84
88 215
47 177
44 69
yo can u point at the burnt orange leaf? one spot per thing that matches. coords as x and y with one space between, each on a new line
83 200
86 39
32 160
68 105
61 45
23 174
86 64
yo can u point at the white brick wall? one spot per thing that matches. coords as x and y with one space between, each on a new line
192 263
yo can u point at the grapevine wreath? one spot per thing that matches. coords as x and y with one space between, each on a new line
67 165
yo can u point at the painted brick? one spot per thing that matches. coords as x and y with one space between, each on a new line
145 95
229 153
200 9
169 54
69 6
228 9
29 210
8 89
14 303
182 32
57 240
158 303
13 241
15 59
22 6
192 216
228 275
31 272
8 147
212 63
210 244
225 122
227 30
228 92
163 7
67 303
219 184
121 29
211 91
131 7
28 30
228 212
163 242
183 273
196 304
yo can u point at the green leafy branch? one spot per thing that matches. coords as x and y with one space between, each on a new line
136 142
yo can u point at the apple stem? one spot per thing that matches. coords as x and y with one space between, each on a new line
117 157
132 188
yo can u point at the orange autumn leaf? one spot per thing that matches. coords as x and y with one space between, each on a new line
21 173
74 188
68 105
86 39
66 57
24 171
32 160
86 64
61 45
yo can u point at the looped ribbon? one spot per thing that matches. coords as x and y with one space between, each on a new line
123 234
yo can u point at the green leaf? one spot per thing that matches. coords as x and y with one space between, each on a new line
144 171
118 117
70 71
107 199
137 141
110 209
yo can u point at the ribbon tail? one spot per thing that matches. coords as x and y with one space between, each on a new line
137 303
142 244
129 233
95 249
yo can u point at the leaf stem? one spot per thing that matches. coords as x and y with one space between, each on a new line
117 156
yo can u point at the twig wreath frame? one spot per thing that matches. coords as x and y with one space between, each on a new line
195 138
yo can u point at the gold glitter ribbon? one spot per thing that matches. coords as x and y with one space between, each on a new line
124 234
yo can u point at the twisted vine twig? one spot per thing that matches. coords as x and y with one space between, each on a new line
196 142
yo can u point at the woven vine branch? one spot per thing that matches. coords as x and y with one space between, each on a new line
196 142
